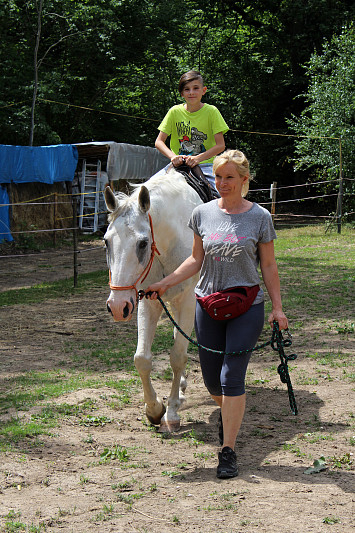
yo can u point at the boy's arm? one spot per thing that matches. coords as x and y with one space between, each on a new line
160 144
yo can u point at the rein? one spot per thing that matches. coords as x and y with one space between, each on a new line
277 343
145 272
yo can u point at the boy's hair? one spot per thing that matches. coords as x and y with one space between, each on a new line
242 165
189 76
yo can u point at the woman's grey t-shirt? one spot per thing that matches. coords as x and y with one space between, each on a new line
230 246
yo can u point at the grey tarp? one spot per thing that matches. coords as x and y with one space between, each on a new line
130 161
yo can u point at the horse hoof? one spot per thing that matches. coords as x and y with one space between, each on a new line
169 427
155 420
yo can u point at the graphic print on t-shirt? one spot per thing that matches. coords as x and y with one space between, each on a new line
224 243
191 139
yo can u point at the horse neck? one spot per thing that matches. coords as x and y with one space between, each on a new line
170 213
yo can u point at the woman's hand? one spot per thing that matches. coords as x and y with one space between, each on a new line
156 289
280 317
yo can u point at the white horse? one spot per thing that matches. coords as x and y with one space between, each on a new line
147 238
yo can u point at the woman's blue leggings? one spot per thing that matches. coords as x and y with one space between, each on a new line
225 374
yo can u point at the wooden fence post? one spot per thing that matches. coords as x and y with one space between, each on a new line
75 238
273 199
55 207
340 193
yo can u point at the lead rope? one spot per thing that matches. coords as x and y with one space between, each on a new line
277 343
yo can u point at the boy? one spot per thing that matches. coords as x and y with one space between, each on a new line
196 128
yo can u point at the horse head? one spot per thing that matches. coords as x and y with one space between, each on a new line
129 248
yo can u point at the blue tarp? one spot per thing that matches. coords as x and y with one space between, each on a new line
5 234
33 164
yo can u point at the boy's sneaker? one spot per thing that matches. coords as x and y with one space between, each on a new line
220 428
227 466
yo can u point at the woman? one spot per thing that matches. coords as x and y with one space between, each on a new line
231 237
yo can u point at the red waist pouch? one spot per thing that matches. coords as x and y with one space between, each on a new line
233 302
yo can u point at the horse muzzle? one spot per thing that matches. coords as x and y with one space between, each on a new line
121 309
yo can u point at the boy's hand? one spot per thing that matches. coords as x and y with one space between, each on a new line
191 160
178 160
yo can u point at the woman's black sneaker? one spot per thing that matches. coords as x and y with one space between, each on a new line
220 428
227 466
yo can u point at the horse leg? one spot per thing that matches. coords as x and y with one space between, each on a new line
184 315
148 316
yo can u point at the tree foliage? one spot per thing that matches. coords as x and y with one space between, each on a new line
330 109
123 59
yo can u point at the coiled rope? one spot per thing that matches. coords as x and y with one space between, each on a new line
277 343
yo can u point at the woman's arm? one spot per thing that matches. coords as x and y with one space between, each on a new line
186 270
193 160
272 282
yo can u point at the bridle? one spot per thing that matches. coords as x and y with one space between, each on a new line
145 272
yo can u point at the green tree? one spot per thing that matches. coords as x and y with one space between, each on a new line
330 110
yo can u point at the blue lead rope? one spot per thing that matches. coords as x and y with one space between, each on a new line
277 343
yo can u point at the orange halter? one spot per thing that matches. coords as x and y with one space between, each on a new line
145 271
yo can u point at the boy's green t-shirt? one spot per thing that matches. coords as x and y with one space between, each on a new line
193 133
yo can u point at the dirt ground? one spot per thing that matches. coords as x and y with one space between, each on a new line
161 484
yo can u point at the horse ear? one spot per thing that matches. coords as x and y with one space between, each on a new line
144 199
110 199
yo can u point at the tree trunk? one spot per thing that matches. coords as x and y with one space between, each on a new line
35 64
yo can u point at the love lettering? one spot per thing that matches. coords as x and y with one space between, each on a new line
220 237
225 241
224 249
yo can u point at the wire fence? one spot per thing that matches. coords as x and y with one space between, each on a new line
89 257
264 191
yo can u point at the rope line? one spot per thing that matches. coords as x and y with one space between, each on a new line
77 194
286 135
156 120
99 110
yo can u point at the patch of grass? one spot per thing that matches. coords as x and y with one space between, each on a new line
107 513
345 461
97 421
14 527
170 473
293 449
334 359
116 453
193 438
310 264
316 437
23 391
16 430
330 520
129 499
124 485
28 389
57 289
303 379
204 455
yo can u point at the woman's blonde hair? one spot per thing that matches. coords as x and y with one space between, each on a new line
242 164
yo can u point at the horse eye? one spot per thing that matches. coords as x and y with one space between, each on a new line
142 244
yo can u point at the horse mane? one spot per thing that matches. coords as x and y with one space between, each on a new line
170 182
